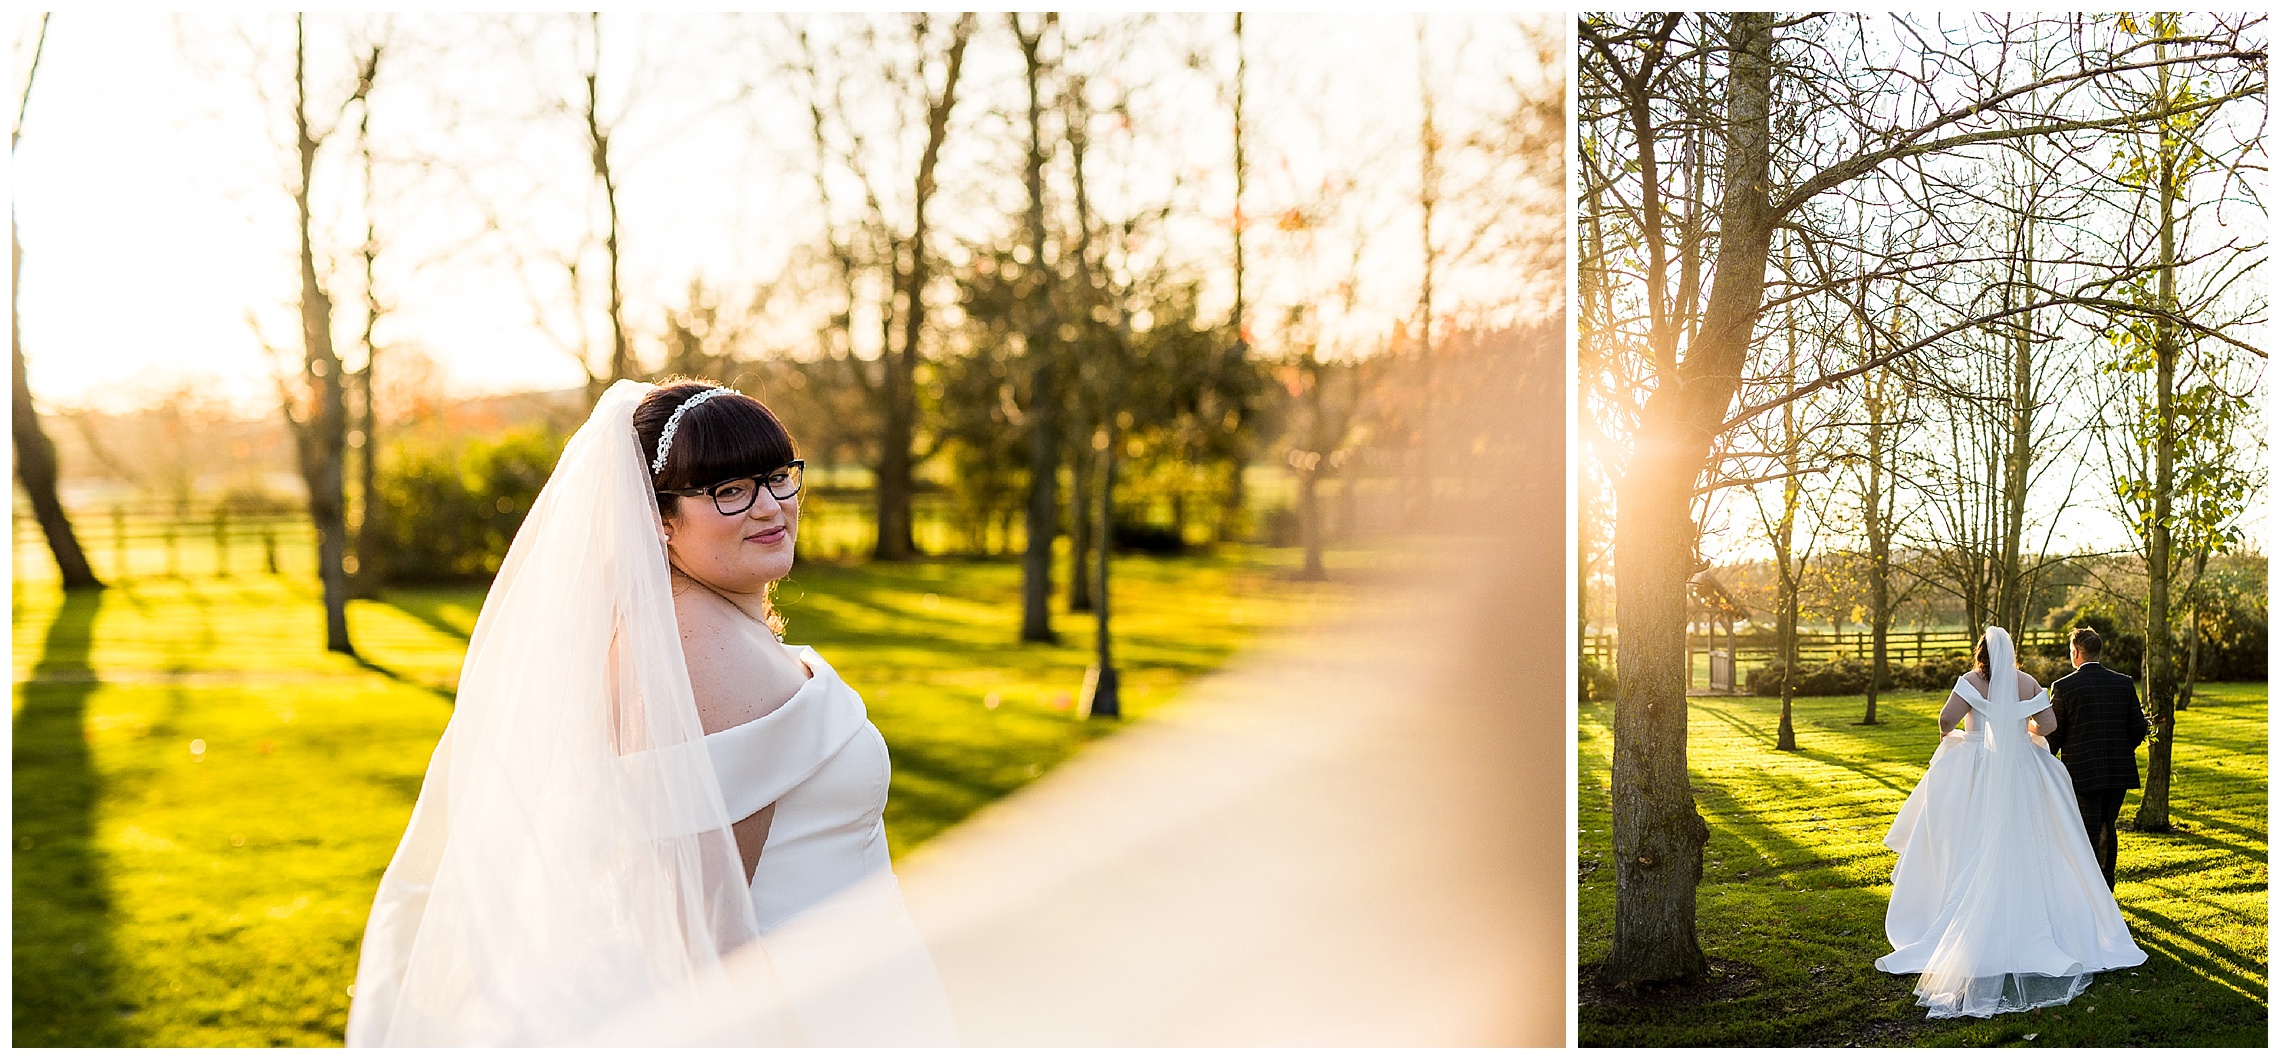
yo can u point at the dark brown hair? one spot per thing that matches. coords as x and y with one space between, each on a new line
2089 642
727 436
1979 658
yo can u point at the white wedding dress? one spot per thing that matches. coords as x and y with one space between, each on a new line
849 964
569 874
1997 898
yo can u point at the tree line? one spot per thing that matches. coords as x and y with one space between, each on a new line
1002 290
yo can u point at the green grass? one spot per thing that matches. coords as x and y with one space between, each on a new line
1796 880
167 898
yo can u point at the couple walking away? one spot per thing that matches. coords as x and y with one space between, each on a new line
2003 893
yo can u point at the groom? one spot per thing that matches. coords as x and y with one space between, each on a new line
2100 726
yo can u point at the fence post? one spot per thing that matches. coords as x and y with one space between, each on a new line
119 541
174 545
222 542
269 544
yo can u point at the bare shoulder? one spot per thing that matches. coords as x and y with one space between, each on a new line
2028 689
703 617
737 670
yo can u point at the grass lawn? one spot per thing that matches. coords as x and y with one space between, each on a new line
1793 892
204 800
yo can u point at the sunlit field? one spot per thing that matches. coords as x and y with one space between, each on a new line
204 800
1796 880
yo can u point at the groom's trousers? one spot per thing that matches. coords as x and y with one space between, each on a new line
2100 810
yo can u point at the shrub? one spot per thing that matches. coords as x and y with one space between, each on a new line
2044 669
1936 674
2233 641
1846 676
1278 528
1594 683
1842 676
2125 640
450 513
1153 540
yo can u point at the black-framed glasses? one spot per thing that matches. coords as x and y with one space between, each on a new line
737 495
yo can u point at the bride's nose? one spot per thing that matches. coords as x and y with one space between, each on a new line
764 505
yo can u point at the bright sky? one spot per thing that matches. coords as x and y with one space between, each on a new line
151 185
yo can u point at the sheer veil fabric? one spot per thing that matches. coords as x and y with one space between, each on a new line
1997 898
569 858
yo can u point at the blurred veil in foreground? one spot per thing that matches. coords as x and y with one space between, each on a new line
1353 837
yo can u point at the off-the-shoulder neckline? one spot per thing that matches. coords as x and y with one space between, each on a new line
819 673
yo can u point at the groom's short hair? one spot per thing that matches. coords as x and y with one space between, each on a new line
2089 642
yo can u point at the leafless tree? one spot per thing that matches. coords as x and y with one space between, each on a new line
36 467
315 402
881 258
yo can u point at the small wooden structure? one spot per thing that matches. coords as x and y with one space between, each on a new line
1713 606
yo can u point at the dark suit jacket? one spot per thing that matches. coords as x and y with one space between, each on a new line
2100 726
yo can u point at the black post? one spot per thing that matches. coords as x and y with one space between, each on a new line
1104 703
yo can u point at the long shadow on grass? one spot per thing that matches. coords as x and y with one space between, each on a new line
2241 827
66 962
2182 837
446 693
2164 940
428 612
944 785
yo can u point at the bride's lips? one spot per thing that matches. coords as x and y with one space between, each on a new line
767 537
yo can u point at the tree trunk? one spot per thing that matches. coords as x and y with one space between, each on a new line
1879 549
1428 197
2192 673
1230 523
1081 474
1659 836
2018 461
1042 416
894 539
1044 504
2160 672
36 466
1584 537
1785 735
598 143
1785 541
35 455
321 438
1310 523
369 565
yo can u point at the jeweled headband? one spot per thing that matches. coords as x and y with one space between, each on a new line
673 423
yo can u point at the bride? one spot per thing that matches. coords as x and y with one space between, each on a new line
644 795
1997 898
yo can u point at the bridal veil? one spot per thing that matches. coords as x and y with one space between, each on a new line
569 856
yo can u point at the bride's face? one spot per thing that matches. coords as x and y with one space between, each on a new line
740 553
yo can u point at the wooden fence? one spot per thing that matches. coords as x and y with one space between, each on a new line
126 541
1710 667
